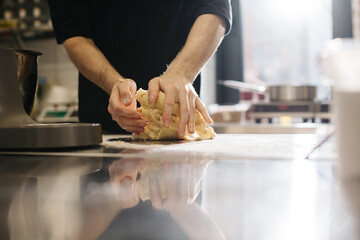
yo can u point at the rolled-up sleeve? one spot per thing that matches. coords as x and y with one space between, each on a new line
219 7
70 18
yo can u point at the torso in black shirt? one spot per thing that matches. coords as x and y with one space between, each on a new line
138 37
139 40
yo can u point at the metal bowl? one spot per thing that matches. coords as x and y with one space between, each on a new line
277 92
292 92
27 73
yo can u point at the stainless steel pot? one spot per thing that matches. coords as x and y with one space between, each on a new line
277 92
27 73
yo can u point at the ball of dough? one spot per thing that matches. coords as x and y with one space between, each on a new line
155 130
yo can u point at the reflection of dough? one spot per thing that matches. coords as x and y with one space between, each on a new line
155 129
152 170
187 173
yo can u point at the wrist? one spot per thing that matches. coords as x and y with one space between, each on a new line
112 79
179 73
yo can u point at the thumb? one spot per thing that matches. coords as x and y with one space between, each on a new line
127 91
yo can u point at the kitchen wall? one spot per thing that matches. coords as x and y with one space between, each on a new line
54 64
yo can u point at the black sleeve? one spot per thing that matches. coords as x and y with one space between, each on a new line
218 7
70 18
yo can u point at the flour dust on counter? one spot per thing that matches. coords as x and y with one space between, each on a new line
235 146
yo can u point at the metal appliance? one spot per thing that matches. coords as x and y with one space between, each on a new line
18 85
270 110
296 101
276 93
307 111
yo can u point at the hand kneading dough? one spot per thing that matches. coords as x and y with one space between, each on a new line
155 130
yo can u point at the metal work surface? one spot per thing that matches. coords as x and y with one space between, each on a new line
298 128
234 187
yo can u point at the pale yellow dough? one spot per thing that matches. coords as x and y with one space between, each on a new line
155 129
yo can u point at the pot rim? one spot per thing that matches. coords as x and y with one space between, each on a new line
28 51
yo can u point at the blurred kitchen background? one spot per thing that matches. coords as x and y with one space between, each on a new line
272 42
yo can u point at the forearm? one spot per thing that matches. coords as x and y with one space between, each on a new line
97 212
204 38
197 224
91 62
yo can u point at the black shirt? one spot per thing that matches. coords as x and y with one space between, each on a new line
138 37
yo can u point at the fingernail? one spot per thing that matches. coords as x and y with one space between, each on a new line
191 129
126 101
127 181
211 120
167 123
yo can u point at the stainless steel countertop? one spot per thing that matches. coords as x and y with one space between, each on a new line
238 186
273 128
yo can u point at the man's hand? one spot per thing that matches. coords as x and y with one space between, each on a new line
122 106
204 37
178 90
182 182
178 183
123 173
93 65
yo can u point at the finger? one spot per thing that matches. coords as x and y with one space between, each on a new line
191 122
127 113
118 108
184 112
126 90
134 122
172 177
185 182
168 106
123 112
202 109
154 89
130 127
155 195
136 130
114 101
127 182
133 89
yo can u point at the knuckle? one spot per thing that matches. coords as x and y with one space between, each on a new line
193 95
173 88
185 109
111 100
169 103
183 88
153 81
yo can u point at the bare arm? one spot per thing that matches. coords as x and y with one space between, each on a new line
197 223
91 62
203 40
